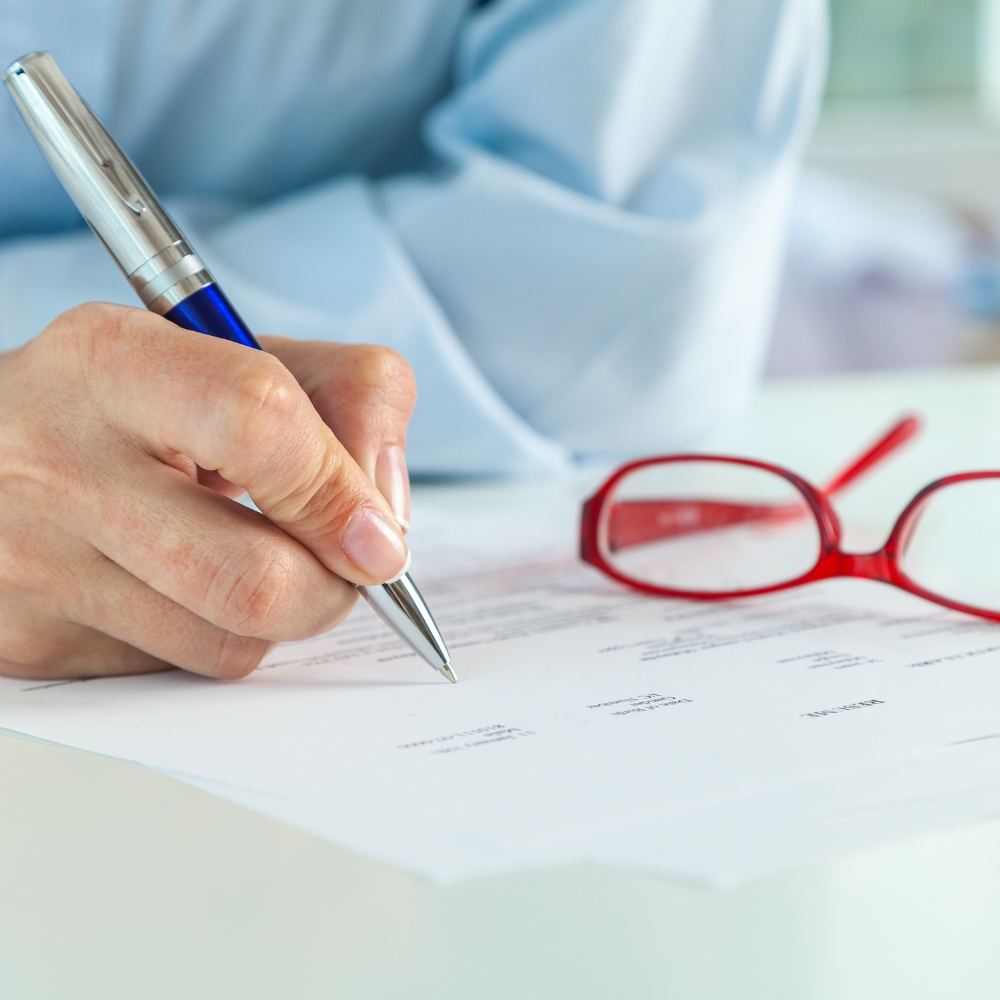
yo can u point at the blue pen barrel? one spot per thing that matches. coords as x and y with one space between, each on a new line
209 311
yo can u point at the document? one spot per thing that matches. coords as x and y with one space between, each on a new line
588 721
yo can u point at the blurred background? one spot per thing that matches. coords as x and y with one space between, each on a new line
894 246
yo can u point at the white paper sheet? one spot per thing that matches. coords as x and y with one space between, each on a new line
722 845
588 722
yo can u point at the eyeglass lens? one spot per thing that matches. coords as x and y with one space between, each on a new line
708 526
953 549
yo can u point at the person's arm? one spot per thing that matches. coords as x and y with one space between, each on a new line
608 238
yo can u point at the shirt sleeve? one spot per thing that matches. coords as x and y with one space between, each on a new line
587 264
608 241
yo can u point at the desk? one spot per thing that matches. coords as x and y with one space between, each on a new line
117 882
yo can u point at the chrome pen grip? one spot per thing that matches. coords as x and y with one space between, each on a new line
400 605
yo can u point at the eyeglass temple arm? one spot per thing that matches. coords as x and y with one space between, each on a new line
894 438
633 522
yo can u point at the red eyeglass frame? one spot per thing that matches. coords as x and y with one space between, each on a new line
881 565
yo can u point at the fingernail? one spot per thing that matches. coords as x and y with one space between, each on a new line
393 482
374 544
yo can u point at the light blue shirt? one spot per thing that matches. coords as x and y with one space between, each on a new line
568 215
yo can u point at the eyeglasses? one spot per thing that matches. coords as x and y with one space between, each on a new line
713 528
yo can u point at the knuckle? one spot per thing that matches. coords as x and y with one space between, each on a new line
387 373
236 656
94 331
85 319
378 362
325 499
86 336
255 593
90 344
262 405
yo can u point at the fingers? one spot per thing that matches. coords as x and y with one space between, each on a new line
162 632
393 482
365 394
223 562
80 615
239 413
116 558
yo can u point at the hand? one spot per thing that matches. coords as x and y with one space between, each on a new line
122 439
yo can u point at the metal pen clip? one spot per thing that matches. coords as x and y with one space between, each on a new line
97 175
80 121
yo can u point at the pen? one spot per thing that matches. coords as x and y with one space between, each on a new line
164 270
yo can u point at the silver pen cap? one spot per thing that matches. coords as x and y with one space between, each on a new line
105 186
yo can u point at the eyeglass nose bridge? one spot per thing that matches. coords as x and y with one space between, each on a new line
865 565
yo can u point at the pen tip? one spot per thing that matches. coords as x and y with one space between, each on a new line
449 673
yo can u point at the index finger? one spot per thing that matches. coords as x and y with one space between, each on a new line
240 412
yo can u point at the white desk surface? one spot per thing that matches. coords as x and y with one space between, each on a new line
117 882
